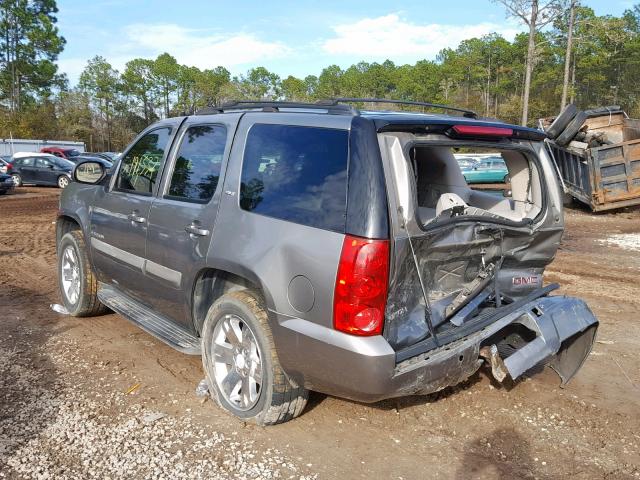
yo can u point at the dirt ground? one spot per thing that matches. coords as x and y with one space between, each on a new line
99 398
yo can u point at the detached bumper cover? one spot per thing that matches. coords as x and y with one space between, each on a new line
365 369
565 331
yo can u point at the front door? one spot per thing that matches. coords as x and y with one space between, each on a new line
120 213
182 216
45 171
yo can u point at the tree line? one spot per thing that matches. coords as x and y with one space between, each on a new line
594 63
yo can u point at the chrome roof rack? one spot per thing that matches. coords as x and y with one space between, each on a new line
336 106
276 106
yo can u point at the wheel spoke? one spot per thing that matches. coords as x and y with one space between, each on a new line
67 257
223 353
231 382
246 392
232 332
256 372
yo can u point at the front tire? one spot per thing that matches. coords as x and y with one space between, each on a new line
63 181
241 364
78 283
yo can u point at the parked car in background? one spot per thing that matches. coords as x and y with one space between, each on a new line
466 163
113 156
487 170
110 156
67 153
4 162
41 169
6 183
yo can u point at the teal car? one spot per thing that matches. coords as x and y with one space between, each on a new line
487 170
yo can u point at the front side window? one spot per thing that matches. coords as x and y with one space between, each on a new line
141 165
43 163
297 174
198 163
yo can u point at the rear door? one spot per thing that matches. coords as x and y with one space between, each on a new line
182 217
27 169
120 212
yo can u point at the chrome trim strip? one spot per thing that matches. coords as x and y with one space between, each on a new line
172 276
146 266
118 254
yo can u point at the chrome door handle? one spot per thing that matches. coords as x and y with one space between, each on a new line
136 218
197 231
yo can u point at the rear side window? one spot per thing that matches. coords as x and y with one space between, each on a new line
297 174
141 164
197 169
26 162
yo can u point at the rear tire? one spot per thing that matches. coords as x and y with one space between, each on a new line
78 283
241 363
17 180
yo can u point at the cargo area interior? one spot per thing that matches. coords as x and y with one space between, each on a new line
442 188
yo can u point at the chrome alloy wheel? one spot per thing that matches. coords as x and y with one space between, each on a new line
237 362
70 275
63 181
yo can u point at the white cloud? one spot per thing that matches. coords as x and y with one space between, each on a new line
197 48
201 49
391 36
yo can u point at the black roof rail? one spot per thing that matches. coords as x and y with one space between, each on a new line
275 106
464 111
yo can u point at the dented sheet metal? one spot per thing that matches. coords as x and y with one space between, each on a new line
457 263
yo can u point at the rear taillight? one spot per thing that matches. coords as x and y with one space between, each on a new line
482 131
9 167
360 295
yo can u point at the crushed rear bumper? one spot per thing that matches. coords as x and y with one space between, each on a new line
562 331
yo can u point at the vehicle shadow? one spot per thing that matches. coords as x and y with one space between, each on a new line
29 380
503 454
400 403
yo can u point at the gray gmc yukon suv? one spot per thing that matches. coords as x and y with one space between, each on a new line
301 247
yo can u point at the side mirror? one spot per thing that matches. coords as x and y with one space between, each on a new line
89 172
50 167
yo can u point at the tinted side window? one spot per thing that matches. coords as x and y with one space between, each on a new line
297 174
197 168
141 164
26 162
43 162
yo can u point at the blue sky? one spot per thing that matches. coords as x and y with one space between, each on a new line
288 37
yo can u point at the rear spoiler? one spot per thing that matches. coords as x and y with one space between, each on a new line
466 130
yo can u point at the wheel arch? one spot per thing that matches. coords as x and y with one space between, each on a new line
211 283
65 224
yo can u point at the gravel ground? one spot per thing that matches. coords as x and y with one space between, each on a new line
100 433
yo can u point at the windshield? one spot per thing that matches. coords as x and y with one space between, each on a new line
72 153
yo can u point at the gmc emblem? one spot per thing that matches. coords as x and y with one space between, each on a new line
520 281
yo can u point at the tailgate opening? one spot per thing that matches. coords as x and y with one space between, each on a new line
476 181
